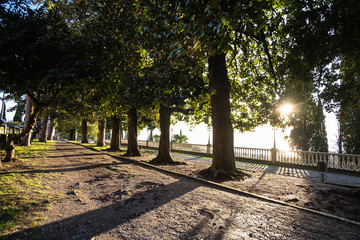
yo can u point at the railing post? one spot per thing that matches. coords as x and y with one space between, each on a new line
208 149
274 155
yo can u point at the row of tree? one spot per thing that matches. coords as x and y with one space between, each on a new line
226 63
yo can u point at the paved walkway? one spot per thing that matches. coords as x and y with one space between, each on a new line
312 175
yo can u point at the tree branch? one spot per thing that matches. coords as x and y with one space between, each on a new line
266 49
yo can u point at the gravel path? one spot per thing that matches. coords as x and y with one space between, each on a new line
107 198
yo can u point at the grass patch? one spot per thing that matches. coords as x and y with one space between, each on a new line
192 154
21 192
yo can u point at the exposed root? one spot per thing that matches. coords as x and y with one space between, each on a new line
132 155
222 175
160 161
114 150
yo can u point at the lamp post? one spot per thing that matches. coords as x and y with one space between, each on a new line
274 150
208 145
274 137
171 136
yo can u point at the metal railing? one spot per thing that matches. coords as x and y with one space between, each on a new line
347 162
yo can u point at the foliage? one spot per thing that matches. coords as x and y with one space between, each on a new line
156 137
42 58
326 38
349 110
179 138
66 125
13 123
308 127
173 74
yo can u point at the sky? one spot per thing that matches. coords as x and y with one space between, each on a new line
262 137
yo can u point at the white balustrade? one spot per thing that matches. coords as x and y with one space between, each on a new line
349 162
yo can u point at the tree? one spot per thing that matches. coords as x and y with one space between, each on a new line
230 33
20 109
25 141
132 149
110 25
84 131
44 128
308 122
179 138
52 122
116 134
67 126
3 108
101 133
325 35
173 70
41 60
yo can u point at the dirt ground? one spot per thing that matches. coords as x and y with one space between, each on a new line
107 198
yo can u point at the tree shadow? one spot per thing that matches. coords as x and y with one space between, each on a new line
202 230
101 220
75 155
62 169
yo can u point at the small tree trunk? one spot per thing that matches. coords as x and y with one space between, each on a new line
9 147
72 135
101 133
223 162
132 147
51 129
115 137
84 132
43 130
164 155
151 138
25 141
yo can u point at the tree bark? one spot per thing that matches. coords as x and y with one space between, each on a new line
223 163
43 129
36 130
164 155
115 136
84 131
9 147
72 135
132 147
101 133
51 129
25 141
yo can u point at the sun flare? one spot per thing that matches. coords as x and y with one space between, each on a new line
286 109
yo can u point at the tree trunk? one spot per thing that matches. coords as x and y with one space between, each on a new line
151 138
223 163
25 141
84 131
72 135
132 147
164 155
115 136
35 130
101 133
51 129
9 147
43 129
